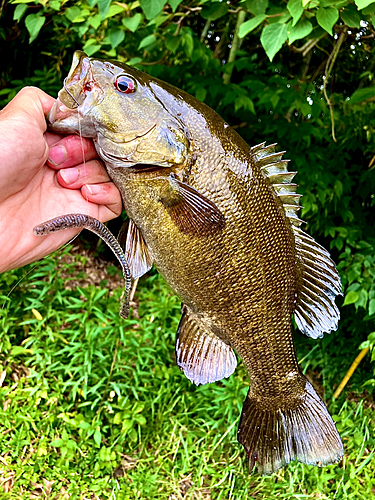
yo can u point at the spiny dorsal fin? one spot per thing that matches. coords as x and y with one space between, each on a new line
201 355
275 169
319 282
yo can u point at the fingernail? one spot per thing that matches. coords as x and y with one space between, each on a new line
94 188
57 155
69 175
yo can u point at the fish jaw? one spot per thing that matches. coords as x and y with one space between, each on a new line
72 111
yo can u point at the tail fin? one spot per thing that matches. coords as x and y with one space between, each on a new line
303 432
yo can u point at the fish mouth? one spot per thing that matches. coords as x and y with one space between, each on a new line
79 83
79 94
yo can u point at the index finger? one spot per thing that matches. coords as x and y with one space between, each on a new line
71 150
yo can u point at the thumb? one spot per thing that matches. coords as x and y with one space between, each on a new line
33 104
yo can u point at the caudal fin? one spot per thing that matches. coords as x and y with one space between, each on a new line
303 432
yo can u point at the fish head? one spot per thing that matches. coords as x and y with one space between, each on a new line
116 105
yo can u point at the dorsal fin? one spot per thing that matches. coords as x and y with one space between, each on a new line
318 280
315 311
275 169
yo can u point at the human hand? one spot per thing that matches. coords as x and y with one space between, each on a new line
43 175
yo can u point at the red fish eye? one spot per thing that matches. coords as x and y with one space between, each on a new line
125 84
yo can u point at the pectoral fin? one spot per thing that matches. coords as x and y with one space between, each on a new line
137 254
192 212
201 355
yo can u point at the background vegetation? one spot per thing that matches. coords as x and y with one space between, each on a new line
93 406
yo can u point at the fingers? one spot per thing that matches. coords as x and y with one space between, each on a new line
92 172
104 194
93 181
69 151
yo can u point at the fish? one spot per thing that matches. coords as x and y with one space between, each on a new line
219 220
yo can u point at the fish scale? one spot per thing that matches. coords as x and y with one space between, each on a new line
219 220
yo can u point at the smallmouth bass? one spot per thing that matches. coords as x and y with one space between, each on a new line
219 220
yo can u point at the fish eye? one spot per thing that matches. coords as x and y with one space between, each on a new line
125 84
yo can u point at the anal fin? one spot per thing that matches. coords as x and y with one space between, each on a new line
201 355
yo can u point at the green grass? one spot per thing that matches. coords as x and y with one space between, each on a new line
94 407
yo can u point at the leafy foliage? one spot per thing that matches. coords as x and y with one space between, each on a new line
299 73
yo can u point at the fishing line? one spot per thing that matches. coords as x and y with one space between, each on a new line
80 131
83 154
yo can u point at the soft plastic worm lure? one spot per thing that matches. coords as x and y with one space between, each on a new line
83 221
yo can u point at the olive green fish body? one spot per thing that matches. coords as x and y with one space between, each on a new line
218 219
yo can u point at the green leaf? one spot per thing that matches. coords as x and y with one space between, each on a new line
114 10
103 6
361 4
19 349
327 17
251 24
362 95
74 14
34 23
149 40
201 94
152 8
351 18
92 48
244 102
116 36
272 38
57 443
132 23
174 4
97 437
19 12
172 43
133 61
300 30
296 9
55 5
215 11
140 419
369 10
371 307
95 21
350 298
257 7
